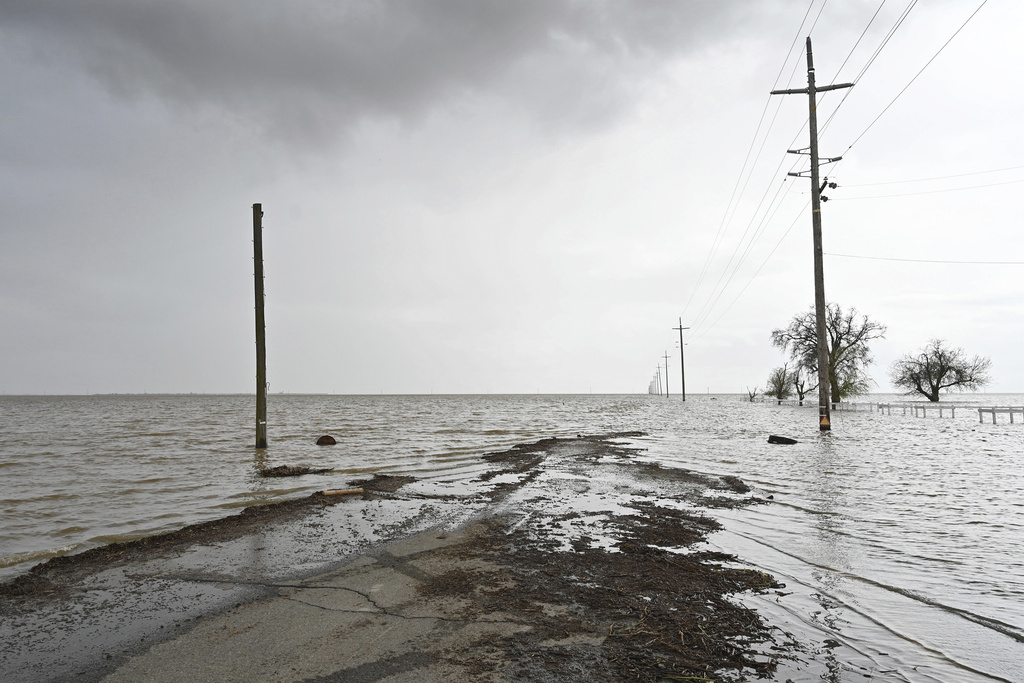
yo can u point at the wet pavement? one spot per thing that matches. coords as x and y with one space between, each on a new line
436 580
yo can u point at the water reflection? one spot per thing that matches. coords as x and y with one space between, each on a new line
830 547
259 460
827 490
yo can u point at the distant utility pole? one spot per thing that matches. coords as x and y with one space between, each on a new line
666 373
261 328
682 360
824 401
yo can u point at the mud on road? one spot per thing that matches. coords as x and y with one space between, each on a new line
574 559
622 593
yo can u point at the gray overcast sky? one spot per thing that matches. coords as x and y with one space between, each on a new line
493 196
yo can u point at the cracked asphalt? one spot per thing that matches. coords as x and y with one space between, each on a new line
368 617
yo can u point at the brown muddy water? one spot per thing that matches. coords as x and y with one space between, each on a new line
899 538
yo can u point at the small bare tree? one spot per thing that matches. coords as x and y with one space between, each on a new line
780 383
937 367
752 395
800 384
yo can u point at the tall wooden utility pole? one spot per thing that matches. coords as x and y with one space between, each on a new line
666 373
682 357
824 402
261 328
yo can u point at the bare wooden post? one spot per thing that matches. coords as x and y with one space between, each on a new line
261 331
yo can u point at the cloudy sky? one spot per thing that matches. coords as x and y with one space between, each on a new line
470 196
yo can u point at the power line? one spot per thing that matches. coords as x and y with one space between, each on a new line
796 38
767 258
927 64
755 229
941 177
919 260
702 326
820 10
744 245
860 38
720 287
885 40
769 211
911 194
733 200
871 60
744 249
752 234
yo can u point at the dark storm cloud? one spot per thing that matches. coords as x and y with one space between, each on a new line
306 68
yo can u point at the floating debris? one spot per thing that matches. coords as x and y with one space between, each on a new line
341 492
386 483
291 471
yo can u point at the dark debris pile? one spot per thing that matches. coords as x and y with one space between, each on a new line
291 471
644 613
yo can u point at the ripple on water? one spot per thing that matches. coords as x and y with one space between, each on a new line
925 512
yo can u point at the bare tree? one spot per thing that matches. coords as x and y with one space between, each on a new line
800 385
848 353
937 367
780 383
752 395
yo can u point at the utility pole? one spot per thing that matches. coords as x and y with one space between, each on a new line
682 361
824 401
261 328
666 373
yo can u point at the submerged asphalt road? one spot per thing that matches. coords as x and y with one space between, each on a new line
404 584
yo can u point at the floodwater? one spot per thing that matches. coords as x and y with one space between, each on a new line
900 538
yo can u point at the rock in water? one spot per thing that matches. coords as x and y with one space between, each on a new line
326 440
774 438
